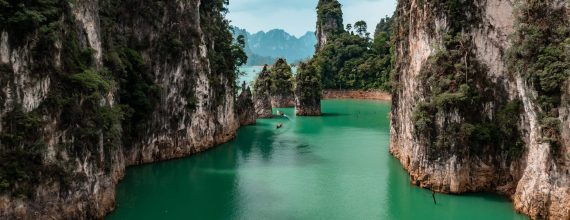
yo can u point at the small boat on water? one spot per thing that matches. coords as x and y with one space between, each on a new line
280 113
280 125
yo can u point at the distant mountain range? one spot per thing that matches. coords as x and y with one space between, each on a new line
265 47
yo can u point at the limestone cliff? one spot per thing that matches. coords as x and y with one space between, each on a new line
89 87
245 107
282 95
480 99
262 94
329 21
308 91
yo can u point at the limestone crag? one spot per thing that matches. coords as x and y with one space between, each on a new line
308 91
464 118
329 21
261 95
245 107
95 86
282 95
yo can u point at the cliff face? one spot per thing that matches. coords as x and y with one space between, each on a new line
329 21
93 86
262 94
245 107
467 112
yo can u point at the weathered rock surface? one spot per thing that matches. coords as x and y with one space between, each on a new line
245 107
262 94
329 21
537 180
194 110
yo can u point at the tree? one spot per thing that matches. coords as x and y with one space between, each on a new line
281 78
348 27
354 62
361 28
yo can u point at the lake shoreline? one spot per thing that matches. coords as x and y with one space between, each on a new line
357 94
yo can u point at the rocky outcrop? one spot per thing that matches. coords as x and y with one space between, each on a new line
465 118
245 107
261 95
308 91
282 95
329 21
92 87
357 94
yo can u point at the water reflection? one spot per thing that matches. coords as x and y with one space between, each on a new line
331 167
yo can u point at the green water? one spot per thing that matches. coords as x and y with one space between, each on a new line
331 167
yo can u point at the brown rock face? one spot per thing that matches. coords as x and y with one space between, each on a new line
427 124
261 96
164 48
245 107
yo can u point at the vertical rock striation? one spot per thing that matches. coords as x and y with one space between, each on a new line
468 116
262 94
90 87
245 107
329 21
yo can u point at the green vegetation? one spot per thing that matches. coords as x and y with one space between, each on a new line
263 84
327 11
281 78
18 127
455 118
354 61
225 54
308 89
79 101
24 17
19 171
540 54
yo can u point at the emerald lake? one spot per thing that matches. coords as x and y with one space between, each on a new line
332 167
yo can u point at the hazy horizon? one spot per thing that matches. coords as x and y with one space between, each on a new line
297 17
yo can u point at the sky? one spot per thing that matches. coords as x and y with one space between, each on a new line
299 16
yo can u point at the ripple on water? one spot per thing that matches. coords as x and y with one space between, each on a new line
331 167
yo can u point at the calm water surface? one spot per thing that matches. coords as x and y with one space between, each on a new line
331 167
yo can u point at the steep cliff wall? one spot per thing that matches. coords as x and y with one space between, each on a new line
262 94
90 87
467 112
245 107
329 21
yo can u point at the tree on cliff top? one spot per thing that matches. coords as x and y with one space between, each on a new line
327 11
329 21
262 83
350 61
309 86
281 78
361 28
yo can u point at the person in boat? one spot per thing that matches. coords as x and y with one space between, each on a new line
280 113
280 125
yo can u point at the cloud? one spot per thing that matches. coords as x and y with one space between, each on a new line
299 16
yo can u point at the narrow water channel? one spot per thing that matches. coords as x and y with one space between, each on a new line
332 167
